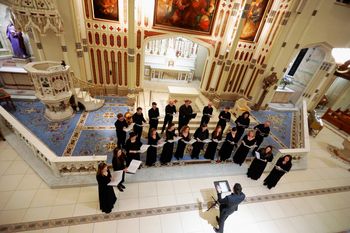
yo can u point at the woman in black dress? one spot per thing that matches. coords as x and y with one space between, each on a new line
181 145
132 145
242 123
119 164
106 193
259 163
216 136
248 142
229 144
167 152
201 134
153 139
283 165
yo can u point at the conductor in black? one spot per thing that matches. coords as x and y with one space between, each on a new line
228 205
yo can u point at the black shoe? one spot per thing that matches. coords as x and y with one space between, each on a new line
120 189
216 229
122 186
217 219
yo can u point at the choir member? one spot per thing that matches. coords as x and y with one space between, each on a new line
119 164
181 145
132 146
170 110
120 125
229 144
106 193
153 117
248 142
211 149
262 131
139 120
167 152
224 117
200 134
207 113
242 122
185 114
153 139
283 165
259 163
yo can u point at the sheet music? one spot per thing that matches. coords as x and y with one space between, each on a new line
143 149
130 127
116 178
134 165
190 142
175 139
257 155
217 141
223 187
206 140
160 144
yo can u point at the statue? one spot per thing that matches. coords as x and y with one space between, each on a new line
268 82
17 42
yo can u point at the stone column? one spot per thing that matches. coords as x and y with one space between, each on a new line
131 53
38 44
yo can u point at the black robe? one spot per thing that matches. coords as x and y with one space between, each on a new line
205 118
226 118
227 147
168 119
198 146
121 134
138 119
151 157
132 146
275 175
106 193
167 152
211 149
153 115
243 150
261 133
184 115
241 124
181 145
257 167
119 164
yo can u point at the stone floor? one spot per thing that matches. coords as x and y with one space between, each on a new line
25 198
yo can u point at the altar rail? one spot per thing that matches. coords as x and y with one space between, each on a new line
59 165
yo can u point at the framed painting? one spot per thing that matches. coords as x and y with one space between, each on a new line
105 9
189 16
254 18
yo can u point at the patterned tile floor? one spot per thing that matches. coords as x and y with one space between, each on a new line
290 207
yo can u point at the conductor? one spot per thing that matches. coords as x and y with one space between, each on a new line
228 205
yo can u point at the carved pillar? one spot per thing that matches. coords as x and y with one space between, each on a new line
38 45
131 53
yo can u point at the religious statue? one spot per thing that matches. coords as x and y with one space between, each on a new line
268 82
17 42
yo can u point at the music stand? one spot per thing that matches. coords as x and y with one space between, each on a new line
224 188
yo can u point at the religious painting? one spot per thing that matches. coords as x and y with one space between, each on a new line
105 9
254 18
190 16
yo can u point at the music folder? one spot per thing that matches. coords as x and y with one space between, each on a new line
134 165
193 115
117 176
222 186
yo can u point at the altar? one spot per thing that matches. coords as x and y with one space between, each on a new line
171 73
282 95
13 77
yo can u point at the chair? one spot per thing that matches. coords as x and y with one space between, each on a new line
241 105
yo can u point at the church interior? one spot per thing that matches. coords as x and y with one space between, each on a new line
70 68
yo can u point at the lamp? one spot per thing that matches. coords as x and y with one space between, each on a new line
342 58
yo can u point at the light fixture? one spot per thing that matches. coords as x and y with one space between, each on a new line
342 58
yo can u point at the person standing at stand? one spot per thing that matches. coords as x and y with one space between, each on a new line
228 205
132 146
216 136
224 117
139 120
167 152
106 193
229 144
262 131
153 139
120 125
207 113
181 145
153 117
185 114
170 110
257 167
119 164
200 134
248 142
242 123
283 165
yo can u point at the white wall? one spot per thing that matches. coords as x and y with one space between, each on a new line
338 94
200 61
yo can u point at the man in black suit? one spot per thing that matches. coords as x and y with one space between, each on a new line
153 115
185 114
207 113
228 205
